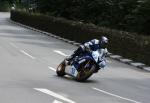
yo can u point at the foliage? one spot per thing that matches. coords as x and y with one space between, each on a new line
4 5
128 15
139 18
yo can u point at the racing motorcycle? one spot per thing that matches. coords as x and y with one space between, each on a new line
84 66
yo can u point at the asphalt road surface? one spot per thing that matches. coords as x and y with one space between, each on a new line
28 61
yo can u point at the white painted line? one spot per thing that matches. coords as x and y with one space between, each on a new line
108 61
115 56
137 64
56 101
12 44
61 53
114 95
146 68
46 91
51 68
27 54
125 60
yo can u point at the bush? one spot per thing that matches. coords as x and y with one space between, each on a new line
129 45
126 15
4 6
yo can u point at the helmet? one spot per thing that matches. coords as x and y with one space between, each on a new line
103 42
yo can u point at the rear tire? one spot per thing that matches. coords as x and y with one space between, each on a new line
61 69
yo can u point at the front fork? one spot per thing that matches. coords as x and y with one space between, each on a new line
90 65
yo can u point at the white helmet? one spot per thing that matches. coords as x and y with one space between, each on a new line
103 42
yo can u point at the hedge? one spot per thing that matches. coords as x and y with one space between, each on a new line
4 6
129 45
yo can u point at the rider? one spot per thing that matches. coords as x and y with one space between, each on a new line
92 45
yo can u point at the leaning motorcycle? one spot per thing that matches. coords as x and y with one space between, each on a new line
83 67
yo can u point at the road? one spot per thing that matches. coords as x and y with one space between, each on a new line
27 72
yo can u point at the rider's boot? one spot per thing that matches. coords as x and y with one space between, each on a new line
69 60
76 53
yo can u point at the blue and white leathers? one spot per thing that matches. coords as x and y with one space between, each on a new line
90 46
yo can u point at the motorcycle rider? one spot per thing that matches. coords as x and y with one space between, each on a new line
92 45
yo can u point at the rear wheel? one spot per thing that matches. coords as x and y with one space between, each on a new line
61 69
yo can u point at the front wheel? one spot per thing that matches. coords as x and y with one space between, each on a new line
82 76
84 73
61 69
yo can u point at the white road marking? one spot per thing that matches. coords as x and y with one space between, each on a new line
114 95
27 54
12 44
51 68
56 101
60 52
46 91
108 61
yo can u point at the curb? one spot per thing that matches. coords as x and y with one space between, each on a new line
110 55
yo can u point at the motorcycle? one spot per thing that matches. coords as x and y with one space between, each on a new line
84 66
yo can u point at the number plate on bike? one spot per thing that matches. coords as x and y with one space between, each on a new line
73 71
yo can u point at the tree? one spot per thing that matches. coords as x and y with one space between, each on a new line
128 15
138 20
4 5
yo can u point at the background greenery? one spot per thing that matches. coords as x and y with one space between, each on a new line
4 5
128 15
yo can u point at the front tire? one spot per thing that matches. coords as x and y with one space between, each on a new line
83 74
61 69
